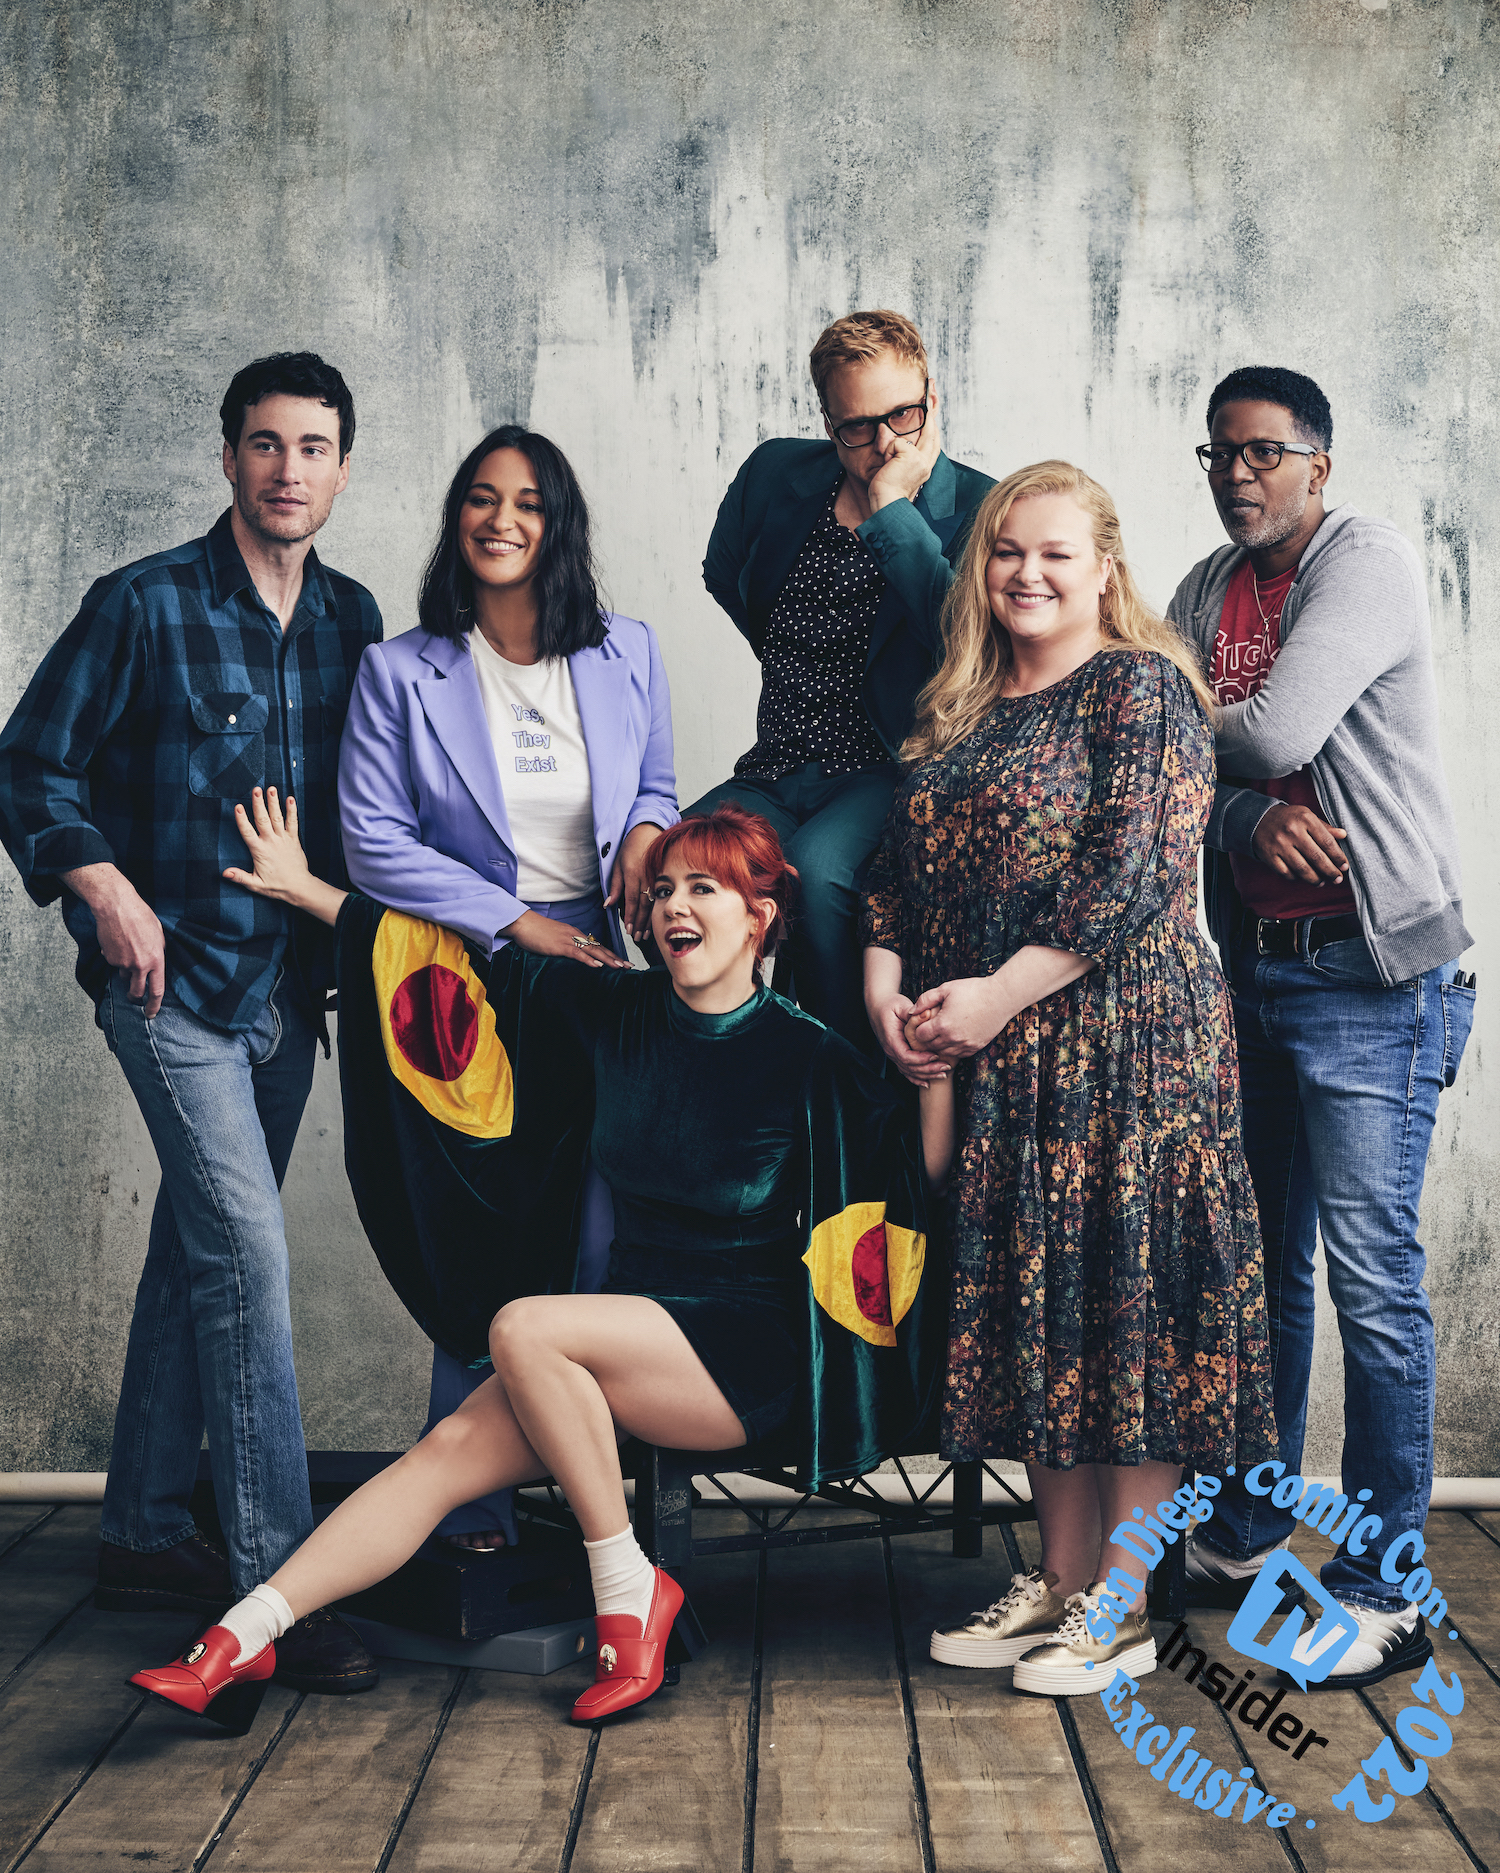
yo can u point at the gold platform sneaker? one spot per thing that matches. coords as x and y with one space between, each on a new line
1030 1609
1073 1662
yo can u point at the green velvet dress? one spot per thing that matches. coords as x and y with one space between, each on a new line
752 1158
700 1134
767 1185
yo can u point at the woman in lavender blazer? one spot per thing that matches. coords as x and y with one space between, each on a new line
506 765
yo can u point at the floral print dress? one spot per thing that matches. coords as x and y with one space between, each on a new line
1108 1301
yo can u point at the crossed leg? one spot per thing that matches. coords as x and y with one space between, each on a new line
572 1373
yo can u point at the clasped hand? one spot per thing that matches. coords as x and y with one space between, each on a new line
924 1037
958 1018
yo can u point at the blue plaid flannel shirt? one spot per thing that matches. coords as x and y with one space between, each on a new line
171 694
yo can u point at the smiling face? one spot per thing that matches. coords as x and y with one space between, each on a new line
501 524
286 469
1264 507
1045 577
708 935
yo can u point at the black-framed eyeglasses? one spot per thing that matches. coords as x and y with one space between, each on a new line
1216 456
860 431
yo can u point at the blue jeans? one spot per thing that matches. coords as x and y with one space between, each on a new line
211 1337
452 1382
829 826
1340 1078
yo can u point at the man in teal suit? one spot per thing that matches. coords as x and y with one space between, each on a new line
833 559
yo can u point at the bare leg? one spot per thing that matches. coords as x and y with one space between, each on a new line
479 1448
1067 1514
650 1383
1143 1485
577 1366
1077 1509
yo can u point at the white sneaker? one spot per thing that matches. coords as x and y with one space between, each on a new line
1073 1663
1387 1643
1215 1579
1026 1613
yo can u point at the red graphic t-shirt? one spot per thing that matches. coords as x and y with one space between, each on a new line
1247 645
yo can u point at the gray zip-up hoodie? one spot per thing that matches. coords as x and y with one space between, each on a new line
1351 696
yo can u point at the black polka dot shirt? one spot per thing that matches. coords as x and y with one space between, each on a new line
814 660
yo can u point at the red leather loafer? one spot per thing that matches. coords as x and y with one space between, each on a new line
629 1665
207 1682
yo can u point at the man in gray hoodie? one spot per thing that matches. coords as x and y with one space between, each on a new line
1331 871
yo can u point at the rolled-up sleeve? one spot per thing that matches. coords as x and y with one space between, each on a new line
82 688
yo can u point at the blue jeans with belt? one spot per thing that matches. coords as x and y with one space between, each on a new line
211 1337
452 1381
1340 1077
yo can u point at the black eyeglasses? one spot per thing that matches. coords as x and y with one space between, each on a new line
862 430
1216 456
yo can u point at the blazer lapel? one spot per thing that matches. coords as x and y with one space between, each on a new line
935 501
782 538
601 683
452 704
790 518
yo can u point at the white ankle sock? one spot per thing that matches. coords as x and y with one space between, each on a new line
624 1580
258 1619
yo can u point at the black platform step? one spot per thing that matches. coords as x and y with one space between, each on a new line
454 1593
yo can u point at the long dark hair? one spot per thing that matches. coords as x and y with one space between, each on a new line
569 614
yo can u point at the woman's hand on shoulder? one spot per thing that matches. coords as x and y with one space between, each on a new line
540 936
958 1018
629 887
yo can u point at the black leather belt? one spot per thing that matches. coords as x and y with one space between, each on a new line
1281 936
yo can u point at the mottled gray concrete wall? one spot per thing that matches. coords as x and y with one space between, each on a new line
624 223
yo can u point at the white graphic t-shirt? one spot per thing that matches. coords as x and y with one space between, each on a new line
533 718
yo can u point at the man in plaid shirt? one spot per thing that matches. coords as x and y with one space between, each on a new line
185 682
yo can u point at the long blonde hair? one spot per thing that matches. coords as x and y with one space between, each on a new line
976 650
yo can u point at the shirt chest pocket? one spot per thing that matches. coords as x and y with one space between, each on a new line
227 744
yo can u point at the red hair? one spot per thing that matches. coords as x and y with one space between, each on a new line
742 852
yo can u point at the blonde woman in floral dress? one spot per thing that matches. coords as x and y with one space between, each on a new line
1031 926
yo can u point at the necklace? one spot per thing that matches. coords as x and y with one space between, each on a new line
1274 618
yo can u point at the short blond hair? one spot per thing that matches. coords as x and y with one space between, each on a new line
860 336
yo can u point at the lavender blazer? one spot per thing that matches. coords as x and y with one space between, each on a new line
420 801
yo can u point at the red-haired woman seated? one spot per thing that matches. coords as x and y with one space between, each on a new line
713 1097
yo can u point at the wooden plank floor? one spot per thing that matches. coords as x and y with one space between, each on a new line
815 1733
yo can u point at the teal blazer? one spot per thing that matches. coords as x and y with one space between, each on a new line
764 522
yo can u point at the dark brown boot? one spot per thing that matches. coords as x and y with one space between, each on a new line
193 1577
324 1653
